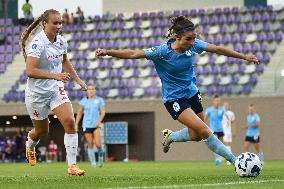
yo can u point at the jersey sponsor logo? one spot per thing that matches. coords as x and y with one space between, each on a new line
176 106
52 57
34 46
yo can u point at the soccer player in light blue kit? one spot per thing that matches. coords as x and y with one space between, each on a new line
173 63
93 108
253 134
215 116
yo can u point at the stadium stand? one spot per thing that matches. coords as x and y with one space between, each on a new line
256 30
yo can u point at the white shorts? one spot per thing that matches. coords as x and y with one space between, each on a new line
39 105
227 137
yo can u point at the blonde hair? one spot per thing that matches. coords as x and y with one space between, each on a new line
25 35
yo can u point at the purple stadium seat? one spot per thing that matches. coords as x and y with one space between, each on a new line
265 17
237 19
255 47
241 68
224 70
217 80
266 27
256 17
160 14
204 20
259 69
212 59
253 79
205 70
269 36
210 90
246 89
235 79
226 10
246 48
235 10
201 12
278 36
144 15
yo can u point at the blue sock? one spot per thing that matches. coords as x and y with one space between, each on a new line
91 156
100 152
180 136
261 156
215 145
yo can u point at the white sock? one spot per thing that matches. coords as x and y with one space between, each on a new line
31 143
71 145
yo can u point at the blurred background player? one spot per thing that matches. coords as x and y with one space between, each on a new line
52 150
45 58
181 97
228 126
214 114
253 134
93 108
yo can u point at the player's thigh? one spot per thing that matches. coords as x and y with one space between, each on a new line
97 137
192 121
89 138
62 108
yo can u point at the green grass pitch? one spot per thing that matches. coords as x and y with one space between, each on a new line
134 175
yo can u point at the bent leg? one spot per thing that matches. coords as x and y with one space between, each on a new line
64 112
191 120
40 129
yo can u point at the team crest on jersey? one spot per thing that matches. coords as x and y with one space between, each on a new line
176 106
34 46
152 49
188 53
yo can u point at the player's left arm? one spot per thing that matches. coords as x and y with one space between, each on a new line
67 67
102 116
230 53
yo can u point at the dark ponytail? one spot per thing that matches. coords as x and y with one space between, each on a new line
180 24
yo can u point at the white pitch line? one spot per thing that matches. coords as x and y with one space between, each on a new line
198 185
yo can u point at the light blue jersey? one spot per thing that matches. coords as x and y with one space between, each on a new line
91 111
176 71
252 119
215 117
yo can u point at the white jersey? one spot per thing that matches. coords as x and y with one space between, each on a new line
228 118
50 60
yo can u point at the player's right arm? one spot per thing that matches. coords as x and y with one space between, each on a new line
78 117
36 48
33 71
123 54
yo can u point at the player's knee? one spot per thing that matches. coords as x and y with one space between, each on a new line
69 122
204 133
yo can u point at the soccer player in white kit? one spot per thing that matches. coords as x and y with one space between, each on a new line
228 127
45 58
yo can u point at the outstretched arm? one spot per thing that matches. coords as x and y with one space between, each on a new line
231 53
123 54
67 67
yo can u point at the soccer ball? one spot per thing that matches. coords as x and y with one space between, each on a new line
248 165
